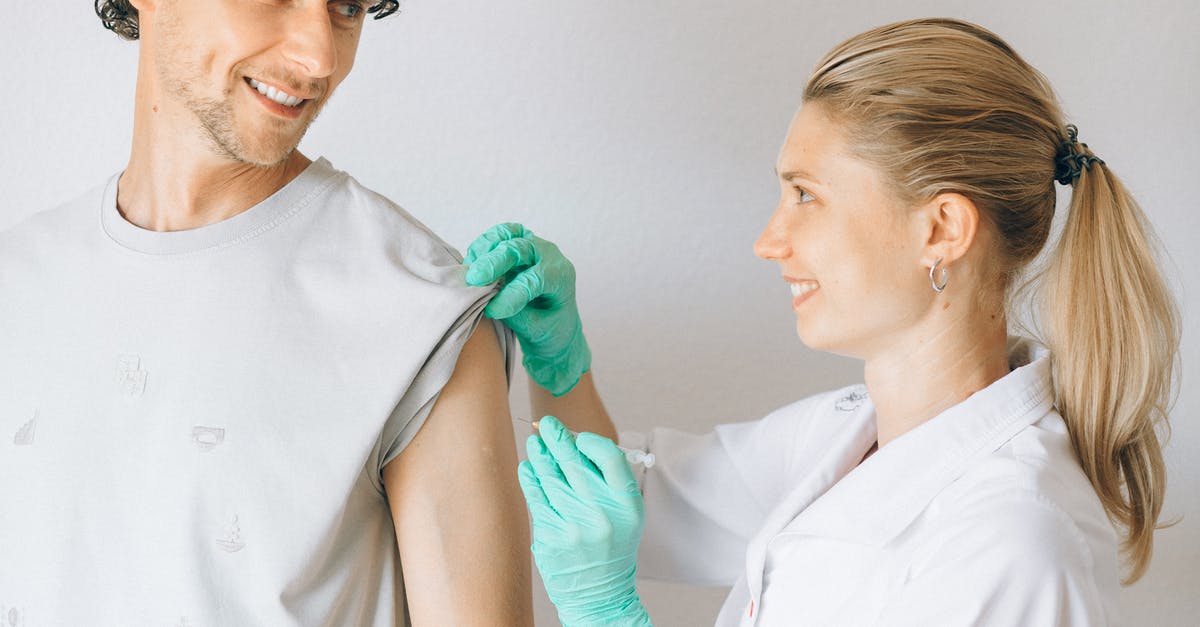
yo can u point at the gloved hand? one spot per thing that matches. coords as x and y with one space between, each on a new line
537 302
587 522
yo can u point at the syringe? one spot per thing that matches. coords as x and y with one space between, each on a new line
632 455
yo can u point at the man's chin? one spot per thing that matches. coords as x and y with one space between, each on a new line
272 142
266 159
265 154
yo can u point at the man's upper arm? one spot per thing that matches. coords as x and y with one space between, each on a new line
460 519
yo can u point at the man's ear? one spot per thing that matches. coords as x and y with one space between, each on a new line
953 224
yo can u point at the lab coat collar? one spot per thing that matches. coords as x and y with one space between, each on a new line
852 436
879 498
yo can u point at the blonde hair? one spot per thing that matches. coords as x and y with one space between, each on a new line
942 105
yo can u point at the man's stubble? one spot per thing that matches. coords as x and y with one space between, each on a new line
179 72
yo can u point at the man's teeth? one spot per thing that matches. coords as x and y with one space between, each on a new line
803 288
275 94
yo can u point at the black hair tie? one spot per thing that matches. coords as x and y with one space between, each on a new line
1072 158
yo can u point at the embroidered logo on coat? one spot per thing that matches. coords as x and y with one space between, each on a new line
232 540
24 435
207 438
851 401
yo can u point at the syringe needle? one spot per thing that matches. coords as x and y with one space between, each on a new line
632 455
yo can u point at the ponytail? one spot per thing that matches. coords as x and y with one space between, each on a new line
1113 332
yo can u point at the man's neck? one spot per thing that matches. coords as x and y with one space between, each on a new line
177 183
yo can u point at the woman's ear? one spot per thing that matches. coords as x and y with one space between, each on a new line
953 226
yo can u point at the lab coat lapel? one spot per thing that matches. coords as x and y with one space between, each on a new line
879 499
850 436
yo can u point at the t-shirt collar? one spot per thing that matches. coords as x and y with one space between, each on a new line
266 215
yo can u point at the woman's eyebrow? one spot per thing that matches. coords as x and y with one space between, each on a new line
798 174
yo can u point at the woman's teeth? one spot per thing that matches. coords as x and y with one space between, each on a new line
275 94
803 288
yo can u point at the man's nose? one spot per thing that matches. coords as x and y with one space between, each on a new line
773 244
309 41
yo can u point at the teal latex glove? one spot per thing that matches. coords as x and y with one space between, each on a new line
537 302
587 516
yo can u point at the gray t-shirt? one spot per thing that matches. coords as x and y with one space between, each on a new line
193 425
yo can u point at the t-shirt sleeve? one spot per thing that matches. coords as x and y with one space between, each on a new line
418 401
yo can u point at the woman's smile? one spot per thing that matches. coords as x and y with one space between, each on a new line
801 289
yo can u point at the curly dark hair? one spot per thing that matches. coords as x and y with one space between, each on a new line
121 17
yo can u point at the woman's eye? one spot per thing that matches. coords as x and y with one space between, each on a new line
803 196
349 10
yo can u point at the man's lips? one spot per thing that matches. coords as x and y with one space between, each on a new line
278 94
277 101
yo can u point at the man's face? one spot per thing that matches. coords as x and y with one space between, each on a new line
252 73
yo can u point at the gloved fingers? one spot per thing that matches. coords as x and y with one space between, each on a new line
489 238
518 293
561 272
611 461
482 245
516 296
580 474
535 497
558 490
493 236
517 253
543 463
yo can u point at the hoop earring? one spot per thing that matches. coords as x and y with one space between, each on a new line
945 277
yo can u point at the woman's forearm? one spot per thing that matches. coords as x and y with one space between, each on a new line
581 409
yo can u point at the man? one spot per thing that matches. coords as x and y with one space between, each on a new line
240 388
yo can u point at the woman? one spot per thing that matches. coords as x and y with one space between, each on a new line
973 478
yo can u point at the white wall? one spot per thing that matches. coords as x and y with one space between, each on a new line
640 135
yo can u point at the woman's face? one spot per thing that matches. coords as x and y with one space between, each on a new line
850 252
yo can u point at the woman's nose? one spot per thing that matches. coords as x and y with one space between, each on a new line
773 244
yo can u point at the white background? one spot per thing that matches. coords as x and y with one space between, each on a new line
640 136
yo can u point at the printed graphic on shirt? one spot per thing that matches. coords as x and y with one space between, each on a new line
207 438
11 617
851 401
24 435
131 379
232 542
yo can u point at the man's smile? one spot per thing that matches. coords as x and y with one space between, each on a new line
276 100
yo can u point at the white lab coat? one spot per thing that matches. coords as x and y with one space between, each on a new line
980 516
